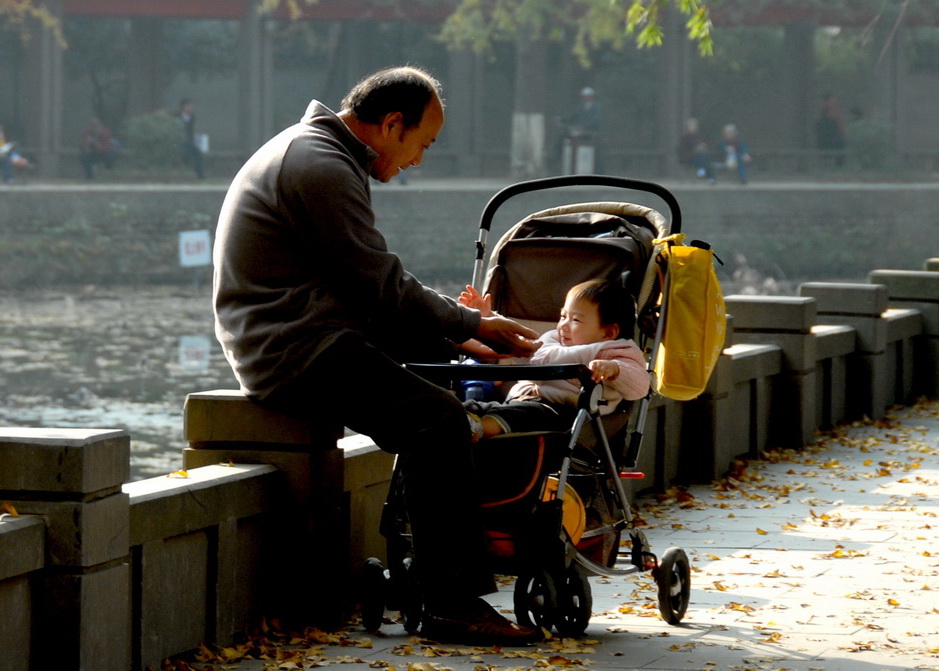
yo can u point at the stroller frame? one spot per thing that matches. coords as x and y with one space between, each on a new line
552 589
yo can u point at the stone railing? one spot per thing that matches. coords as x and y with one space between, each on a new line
274 515
96 574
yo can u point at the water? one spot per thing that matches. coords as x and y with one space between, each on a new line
95 357
110 357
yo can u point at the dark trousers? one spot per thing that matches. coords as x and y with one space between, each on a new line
88 160
524 416
193 157
427 428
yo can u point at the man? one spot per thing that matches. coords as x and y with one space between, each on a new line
192 154
314 315
97 146
693 150
582 128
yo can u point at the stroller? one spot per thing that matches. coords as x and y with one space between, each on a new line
554 505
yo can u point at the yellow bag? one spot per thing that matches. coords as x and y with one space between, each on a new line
695 320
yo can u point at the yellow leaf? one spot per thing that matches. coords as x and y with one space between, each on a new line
733 605
6 508
760 531
893 602
179 474
203 654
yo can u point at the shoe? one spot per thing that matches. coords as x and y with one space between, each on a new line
479 625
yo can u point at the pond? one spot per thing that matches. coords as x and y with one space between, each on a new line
126 357
114 357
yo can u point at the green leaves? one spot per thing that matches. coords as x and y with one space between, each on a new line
593 24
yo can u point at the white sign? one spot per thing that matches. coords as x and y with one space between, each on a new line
194 352
195 248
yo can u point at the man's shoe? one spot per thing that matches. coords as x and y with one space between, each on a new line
479 625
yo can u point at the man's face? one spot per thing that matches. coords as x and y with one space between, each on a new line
401 147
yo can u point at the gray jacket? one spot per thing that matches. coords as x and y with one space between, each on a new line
299 261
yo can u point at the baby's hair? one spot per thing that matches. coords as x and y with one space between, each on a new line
615 304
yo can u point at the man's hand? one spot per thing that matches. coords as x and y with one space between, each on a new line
480 351
507 336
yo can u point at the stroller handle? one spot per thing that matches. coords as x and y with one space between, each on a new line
485 220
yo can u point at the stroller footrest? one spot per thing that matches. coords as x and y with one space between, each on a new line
631 475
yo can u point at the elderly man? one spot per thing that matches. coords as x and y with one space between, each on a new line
315 315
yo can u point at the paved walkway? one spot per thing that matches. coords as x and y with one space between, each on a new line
823 559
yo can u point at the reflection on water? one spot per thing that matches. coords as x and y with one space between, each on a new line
109 358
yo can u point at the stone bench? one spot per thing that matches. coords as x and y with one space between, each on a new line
731 418
76 609
785 322
22 556
336 485
835 344
917 290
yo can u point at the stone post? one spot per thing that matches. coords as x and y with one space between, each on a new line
861 307
224 425
22 556
785 321
917 289
71 479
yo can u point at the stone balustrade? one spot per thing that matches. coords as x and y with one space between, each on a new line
275 514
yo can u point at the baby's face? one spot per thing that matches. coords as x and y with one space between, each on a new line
580 323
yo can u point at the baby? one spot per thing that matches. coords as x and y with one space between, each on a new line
594 329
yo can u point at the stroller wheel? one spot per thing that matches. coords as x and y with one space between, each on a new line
673 577
373 594
536 600
574 603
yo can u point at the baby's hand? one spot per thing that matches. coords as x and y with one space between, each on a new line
472 299
603 369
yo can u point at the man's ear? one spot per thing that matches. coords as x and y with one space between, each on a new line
391 122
